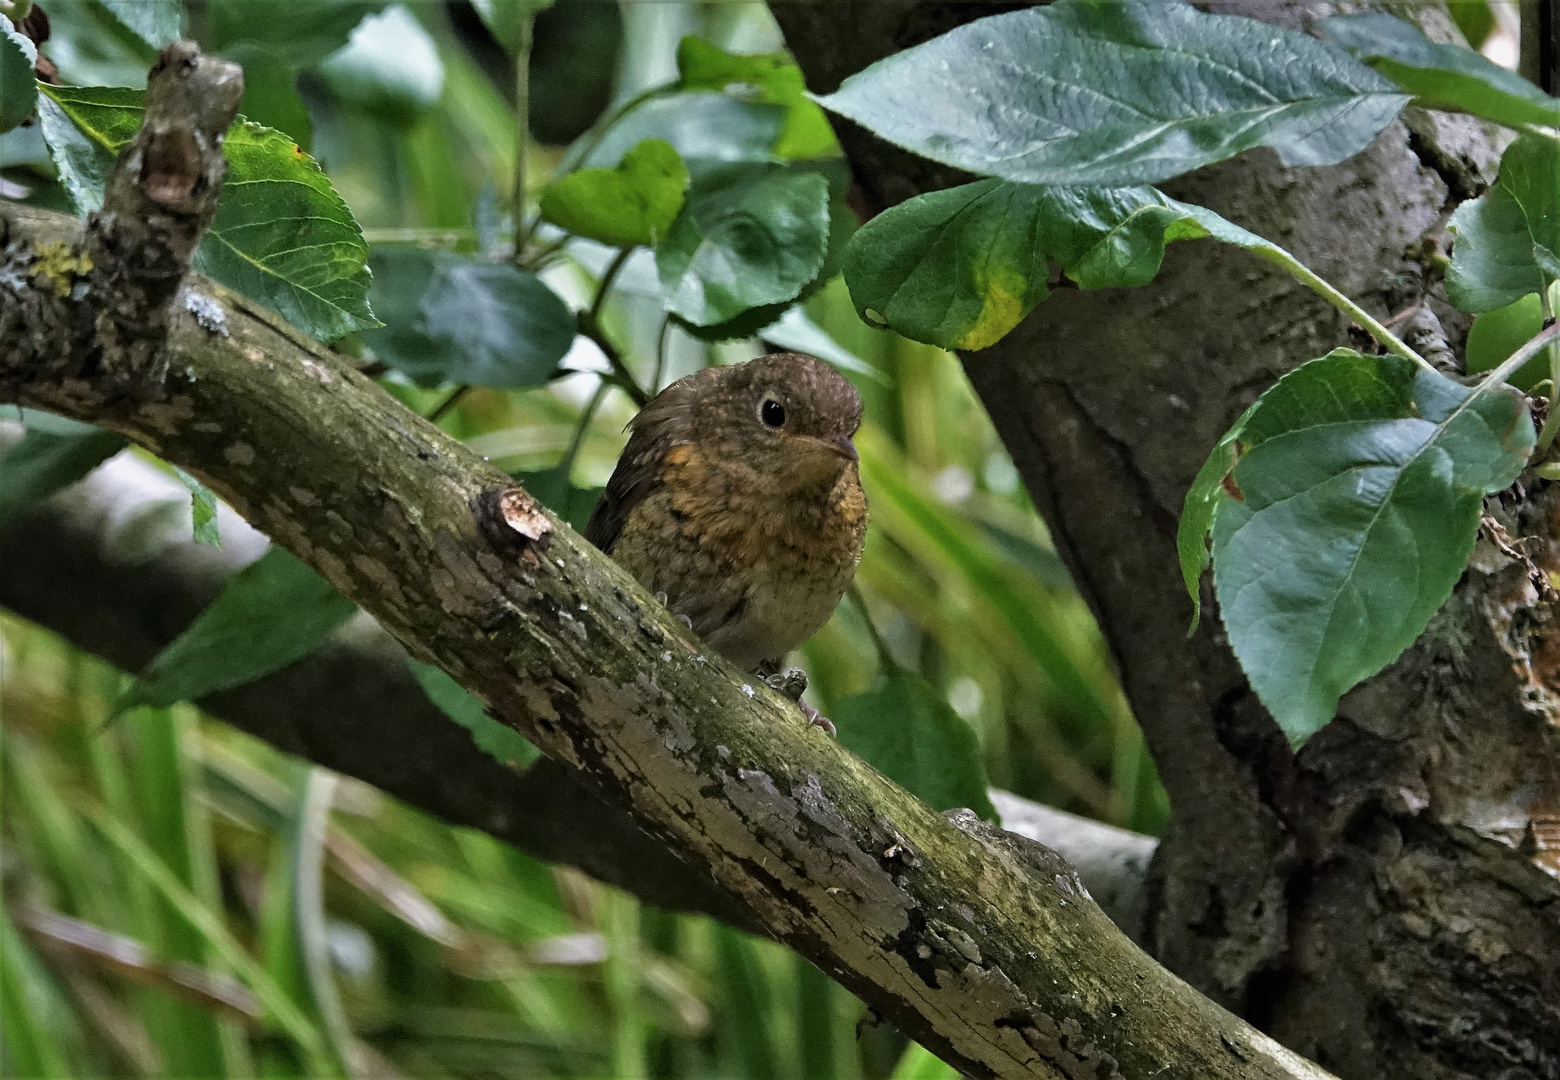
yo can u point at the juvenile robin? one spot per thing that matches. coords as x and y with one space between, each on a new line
737 501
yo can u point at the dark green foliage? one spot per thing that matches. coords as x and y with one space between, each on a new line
751 234
44 462
18 93
905 728
574 53
1494 259
1118 93
504 744
1347 517
282 237
1442 76
458 319
271 613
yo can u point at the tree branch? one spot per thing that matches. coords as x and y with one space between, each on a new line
981 945
87 566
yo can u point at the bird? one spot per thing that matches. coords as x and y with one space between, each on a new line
738 502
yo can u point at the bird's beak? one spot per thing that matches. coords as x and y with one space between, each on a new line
846 449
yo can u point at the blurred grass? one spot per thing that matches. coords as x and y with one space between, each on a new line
367 938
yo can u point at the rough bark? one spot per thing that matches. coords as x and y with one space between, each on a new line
91 566
980 944
1382 902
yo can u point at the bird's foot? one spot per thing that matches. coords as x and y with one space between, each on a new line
792 682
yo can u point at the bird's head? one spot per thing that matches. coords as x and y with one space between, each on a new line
786 415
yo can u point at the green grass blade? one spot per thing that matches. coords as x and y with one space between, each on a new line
278 1005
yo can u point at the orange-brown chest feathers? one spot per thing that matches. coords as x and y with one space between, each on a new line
756 564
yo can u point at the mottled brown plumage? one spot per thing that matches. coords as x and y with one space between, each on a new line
738 498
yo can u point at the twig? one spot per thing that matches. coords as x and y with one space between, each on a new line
447 404
525 17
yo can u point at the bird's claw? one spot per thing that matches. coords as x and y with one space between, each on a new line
817 719
661 599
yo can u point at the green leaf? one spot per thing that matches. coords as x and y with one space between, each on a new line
85 128
919 1063
634 203
956 268
453 318
1474 18
156 22
282 236
203 510
1547 261
390 66
504 17
575 56
504 744
42 463
1118 93
1191 538
700 126
1349 515
772 78
305 32
1442 76
750 234
18 91
273 612
960 268
906 730
1497 334
842 227
1493 261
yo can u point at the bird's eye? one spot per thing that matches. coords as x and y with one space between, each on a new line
772 413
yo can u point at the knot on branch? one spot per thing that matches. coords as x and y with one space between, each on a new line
160 200
513 521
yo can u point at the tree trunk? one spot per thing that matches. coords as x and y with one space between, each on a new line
1382 901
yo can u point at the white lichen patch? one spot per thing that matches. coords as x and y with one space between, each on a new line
208 313
318 370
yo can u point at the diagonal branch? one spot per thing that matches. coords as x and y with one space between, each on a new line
978 943
84 566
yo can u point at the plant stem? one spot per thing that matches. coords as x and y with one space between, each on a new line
1503 371
587 143
606 281
660 353
885 658
522 121
1323 288
1552 421
447 404
581 427
590 327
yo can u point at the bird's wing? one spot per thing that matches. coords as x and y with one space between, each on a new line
656 430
